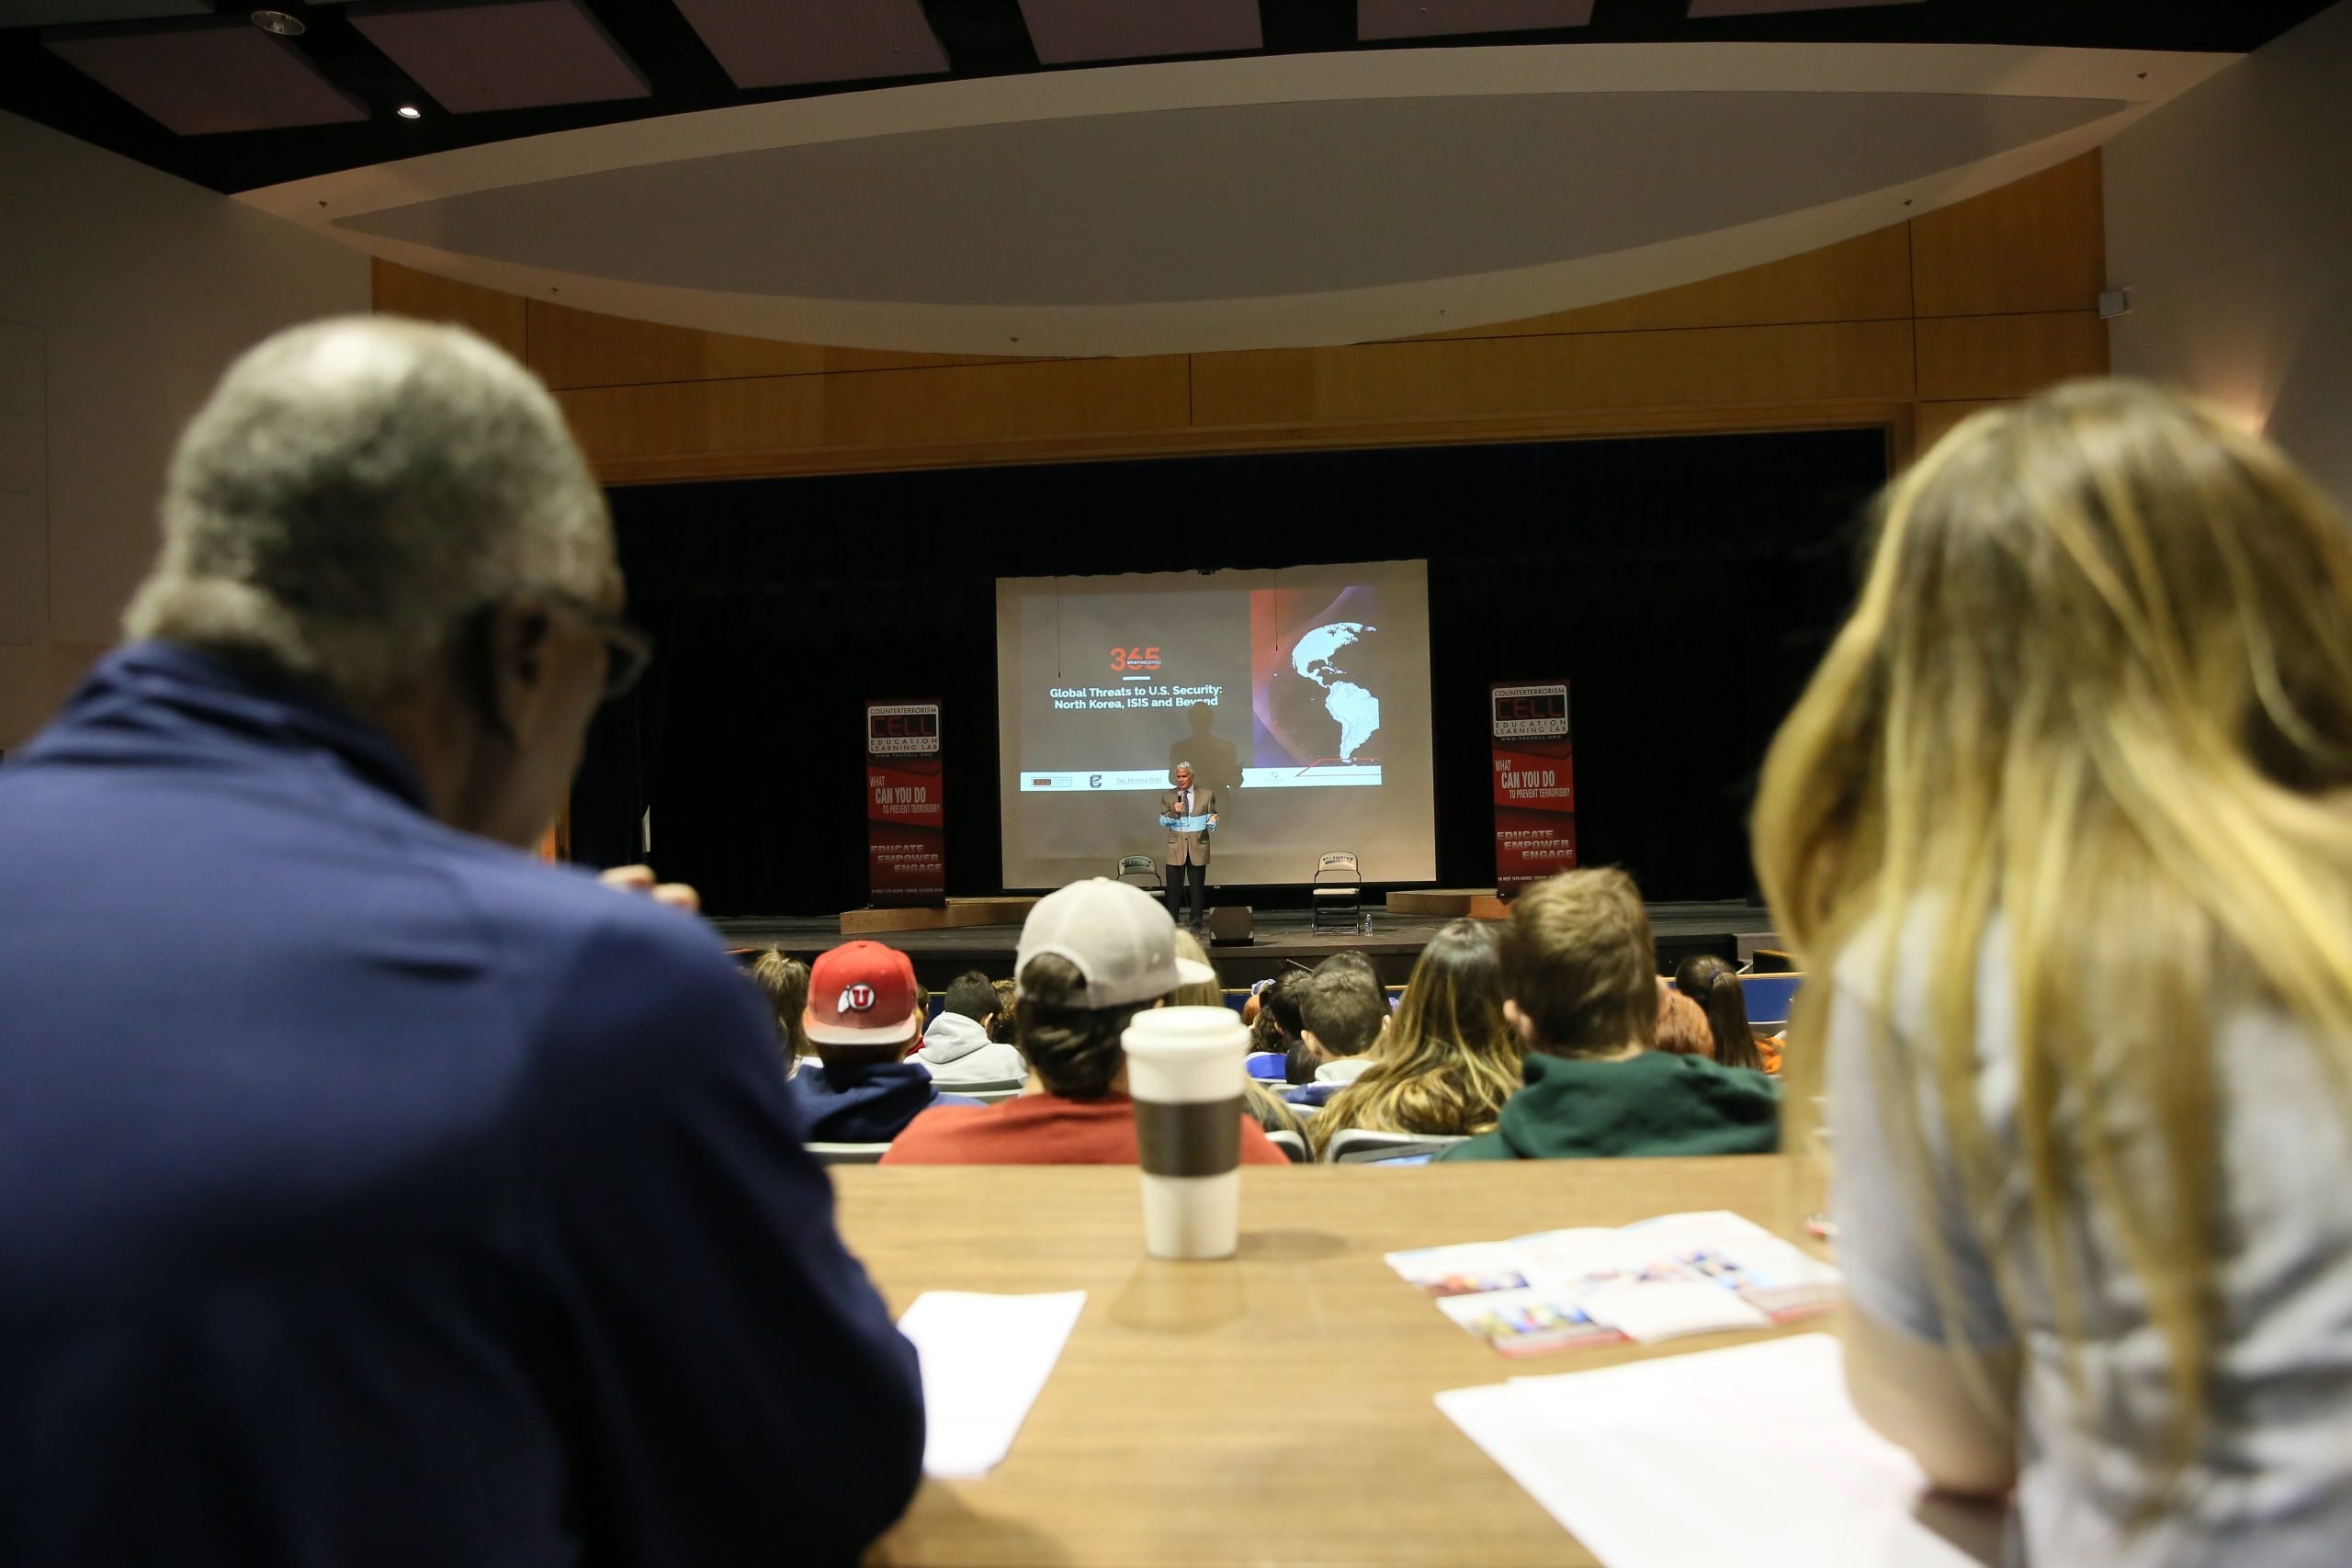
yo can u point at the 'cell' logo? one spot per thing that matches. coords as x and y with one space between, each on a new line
1095 781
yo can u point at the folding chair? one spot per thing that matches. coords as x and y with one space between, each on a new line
1143 867
1342 895
1292 1144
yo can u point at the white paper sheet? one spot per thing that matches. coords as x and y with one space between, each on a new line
1751 1455
1662 1309
985 1360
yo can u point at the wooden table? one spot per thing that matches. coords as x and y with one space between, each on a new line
1276 1407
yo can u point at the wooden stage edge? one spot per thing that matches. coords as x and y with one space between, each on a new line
1011 909
1449 903
983 933
957 913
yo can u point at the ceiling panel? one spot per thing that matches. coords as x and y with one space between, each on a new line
1068 31
512 54
210 78
1701 9
1436 19
712 54
790 43
77 13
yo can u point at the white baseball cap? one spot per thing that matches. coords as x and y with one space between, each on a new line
1118 936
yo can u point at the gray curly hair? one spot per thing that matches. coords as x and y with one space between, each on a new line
356 487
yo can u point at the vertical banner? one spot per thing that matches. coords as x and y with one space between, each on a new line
1535 790
906 829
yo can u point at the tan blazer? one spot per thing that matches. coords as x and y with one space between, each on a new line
1189 849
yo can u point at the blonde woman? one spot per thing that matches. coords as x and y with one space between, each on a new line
2064 817
1449 1061
784 980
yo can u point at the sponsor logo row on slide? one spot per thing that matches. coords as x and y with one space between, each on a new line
1359 774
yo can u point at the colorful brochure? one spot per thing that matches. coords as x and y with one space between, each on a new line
1700 1274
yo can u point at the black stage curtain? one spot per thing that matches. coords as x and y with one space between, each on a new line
1685 586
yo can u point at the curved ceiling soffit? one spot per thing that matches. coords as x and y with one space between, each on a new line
496 215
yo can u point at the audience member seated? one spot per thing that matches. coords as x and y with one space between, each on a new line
1278 1023
1001 1026
1682 1026
864 1022
957 1045
1450 1060
409 1200
1714 985
1581 987
1269 1113
1091 956
2062 823
1345 1014
1305 1060
784 982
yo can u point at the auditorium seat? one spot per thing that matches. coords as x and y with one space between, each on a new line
1768 997
849 1153
1359 1146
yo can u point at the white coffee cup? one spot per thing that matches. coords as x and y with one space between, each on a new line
1185 1075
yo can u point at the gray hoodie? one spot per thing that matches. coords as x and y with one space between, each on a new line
956 1050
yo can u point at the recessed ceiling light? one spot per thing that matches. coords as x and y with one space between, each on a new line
284 24
409 112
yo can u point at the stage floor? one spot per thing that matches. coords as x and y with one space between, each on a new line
1282 938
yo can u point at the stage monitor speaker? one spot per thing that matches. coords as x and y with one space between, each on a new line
1229 925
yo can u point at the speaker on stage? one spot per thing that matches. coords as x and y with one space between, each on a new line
1229 925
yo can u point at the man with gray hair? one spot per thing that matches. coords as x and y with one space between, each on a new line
369 1192
1188 813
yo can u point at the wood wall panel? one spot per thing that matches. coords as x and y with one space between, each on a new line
1465 378
579 348
501 318
1867 279
1935 420
1904 328
2030 245
872 418
2007 356
1016 401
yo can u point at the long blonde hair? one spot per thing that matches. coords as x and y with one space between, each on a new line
1450 1060
2097 688
784 980
1197 993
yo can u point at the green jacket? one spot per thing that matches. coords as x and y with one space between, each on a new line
1653 1104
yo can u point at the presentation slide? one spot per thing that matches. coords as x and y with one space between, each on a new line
1300 696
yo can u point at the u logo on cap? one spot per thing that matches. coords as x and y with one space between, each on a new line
856 998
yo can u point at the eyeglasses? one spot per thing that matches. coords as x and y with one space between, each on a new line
627 648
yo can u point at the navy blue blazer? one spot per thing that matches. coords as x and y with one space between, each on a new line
371 1193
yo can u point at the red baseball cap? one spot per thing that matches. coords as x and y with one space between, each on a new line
862 993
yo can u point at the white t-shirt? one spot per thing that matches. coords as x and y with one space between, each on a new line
2272 1484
